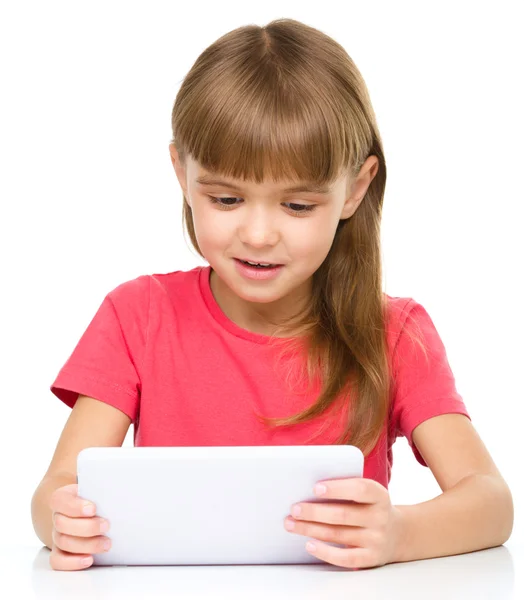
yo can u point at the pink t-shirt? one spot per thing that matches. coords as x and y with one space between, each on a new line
161 350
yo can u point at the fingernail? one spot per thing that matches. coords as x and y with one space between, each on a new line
310 547
89 508
86 561
106 545
320 489
104 526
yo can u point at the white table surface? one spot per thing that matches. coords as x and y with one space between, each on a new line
496 573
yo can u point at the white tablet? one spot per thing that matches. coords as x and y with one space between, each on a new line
207 505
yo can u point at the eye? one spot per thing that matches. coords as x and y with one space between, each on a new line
219 201
298 208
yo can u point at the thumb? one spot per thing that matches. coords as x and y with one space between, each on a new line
71 489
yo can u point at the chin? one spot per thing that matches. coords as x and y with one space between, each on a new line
259 298
248 292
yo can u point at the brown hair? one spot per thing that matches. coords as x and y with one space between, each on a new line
286 101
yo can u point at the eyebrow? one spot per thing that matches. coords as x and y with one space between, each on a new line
304 187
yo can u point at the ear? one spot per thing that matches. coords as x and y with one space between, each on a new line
180 169
360 186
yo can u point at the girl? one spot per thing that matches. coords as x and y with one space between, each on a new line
286 337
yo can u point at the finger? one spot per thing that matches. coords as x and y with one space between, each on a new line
64 561
336 513
349 558
336 534
81 545
65 500
80 526
358 489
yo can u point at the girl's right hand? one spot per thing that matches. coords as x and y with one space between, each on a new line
76 535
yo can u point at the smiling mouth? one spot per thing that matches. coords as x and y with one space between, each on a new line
257 265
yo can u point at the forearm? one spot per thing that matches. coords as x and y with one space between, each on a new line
476 513
40 510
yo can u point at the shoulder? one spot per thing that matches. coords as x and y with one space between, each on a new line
398 311
139 291
410 329
132 290
176 283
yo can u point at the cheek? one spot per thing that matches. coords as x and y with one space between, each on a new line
211 230
315 237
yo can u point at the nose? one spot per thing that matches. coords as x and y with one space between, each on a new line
258 229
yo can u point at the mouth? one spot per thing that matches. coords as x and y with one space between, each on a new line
258 265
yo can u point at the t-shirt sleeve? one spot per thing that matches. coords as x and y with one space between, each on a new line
106 362
424 384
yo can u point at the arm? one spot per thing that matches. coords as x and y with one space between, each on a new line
475 510
91 423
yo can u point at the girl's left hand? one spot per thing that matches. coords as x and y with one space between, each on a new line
372 529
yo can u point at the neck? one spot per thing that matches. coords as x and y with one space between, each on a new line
257 317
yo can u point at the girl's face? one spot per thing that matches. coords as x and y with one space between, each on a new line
267 223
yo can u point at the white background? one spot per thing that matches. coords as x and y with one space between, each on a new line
89 198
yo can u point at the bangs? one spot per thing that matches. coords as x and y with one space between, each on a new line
253 131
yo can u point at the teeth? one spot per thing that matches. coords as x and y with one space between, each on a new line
254 263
